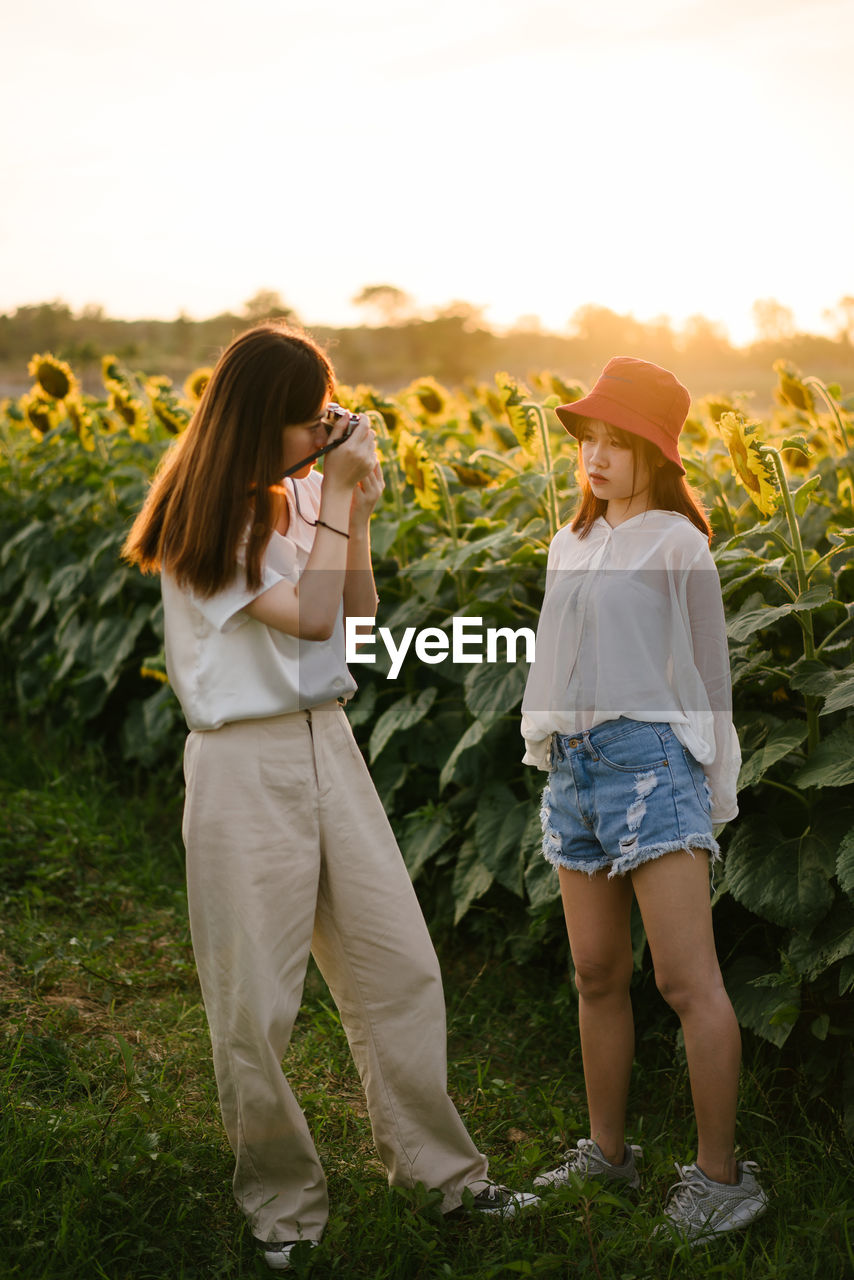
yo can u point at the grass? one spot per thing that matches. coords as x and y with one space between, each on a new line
113 1164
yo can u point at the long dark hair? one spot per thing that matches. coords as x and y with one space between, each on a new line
219 473
668 488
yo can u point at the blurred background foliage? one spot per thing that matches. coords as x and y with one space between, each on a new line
479 476
395 344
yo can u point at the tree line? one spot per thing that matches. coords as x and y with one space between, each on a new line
454 344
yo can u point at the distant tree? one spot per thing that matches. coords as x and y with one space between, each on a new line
703 337
773 322
467 314
842 318
267 304
605 332
528 323
389 304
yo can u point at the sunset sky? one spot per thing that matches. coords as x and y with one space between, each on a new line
670 157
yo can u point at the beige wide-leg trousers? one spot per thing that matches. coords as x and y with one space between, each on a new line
289 850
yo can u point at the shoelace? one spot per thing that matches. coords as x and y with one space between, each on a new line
684 1192
495 1192
578 1160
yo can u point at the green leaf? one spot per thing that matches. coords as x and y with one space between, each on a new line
470 738
770 1009
840 537
832 762
798 443
786 881
845 865
127 1056
801 495
113 641
821 681
360 709
780 741
812 954
402 715
541 883
754 616
500 826
471 880
842 695
494 689
424 833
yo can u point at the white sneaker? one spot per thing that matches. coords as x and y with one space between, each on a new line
495 1199
586 1160
699 1208
278 1256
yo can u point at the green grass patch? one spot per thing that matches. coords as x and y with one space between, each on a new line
113 1162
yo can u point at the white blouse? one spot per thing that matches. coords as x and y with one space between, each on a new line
632 625
224 665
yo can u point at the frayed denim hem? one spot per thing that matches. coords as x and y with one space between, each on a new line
627 861
637 857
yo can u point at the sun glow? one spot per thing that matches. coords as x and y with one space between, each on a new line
526 157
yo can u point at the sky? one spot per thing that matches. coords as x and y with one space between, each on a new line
661 158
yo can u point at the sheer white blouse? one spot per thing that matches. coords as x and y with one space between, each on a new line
225 666
632 625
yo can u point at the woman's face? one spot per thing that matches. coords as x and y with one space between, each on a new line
301 439
610 466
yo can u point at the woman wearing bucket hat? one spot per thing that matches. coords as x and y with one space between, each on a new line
628 708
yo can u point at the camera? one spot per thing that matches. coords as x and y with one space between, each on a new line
334 413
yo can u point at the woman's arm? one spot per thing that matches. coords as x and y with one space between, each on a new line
309 607
360 593
711 657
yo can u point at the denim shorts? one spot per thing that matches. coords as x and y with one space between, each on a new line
622 794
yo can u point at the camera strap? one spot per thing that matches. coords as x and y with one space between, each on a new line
312 457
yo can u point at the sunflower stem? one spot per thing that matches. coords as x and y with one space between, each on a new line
393 475
449 505
551 486
828 399
813 732
496 457
782 786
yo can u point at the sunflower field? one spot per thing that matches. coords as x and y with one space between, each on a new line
478 479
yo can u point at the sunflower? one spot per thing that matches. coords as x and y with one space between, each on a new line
419 469
170 414
428 397
112 373
471 477
791 388
53 376
195 385
751 467
39 414
81 420
522 417
155 668
131 411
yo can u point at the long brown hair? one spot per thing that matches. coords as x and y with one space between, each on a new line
668 488
218 473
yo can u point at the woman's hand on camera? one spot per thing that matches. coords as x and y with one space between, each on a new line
355 459
366 495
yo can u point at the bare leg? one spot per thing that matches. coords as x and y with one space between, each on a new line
597 912
673 895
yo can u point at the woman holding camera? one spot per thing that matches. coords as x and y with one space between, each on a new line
288 847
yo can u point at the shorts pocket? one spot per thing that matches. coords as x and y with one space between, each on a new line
698 777
634 751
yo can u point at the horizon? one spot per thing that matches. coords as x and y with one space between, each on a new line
529 324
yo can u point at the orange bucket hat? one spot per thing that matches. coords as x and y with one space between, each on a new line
639 397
